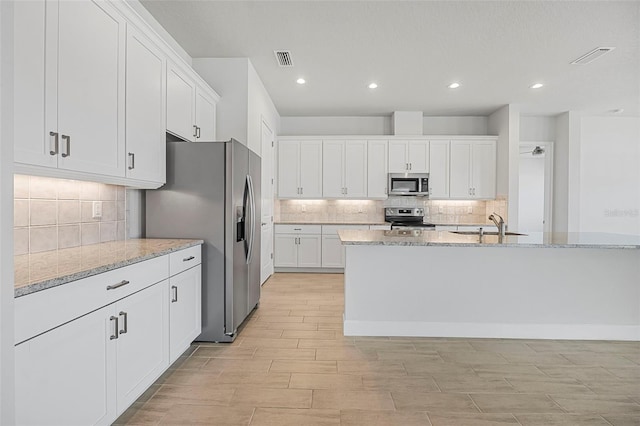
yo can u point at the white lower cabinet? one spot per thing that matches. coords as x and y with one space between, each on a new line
67 376
298 246
185 310
333 252
90 369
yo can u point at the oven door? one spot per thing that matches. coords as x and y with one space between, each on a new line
403 185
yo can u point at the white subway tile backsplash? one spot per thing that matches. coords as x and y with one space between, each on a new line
107 192
68 236
68 211
43 212
109 211
20 213
21 186
69 190
107 231
89 191
89 233
40 187
86 212
20 241
43 238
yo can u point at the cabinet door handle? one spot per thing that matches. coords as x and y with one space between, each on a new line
53 143
186 259
174 295
124 316
195 131
120 284
410 166
66 146
115 335
297 229
132 161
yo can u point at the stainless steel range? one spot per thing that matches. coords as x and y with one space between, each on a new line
407 218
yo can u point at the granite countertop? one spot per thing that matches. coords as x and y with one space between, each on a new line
326 222
39 271
448 239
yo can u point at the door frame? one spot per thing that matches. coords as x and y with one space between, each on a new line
548 179
267 149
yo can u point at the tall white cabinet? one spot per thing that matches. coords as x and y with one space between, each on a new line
344 169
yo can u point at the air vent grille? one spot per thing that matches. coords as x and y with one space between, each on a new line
592 56
284 58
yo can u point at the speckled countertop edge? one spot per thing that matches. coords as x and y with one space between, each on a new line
430 238
54 282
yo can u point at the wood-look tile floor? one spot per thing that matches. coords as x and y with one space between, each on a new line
291 365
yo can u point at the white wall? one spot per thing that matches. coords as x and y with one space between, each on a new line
260 107
228 77
505 123
537 128
6 215
373 125
610 175
566 173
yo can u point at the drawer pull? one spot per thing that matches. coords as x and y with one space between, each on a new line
186 259
114 336
174 296
297 229
120 284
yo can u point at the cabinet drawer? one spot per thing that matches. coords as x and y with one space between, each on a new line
38 312
298 229
333 229
184 259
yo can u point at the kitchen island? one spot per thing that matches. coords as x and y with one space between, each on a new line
539 286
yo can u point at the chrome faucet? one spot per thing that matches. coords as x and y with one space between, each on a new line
499 224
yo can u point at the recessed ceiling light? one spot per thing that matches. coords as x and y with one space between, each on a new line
537 86
301 81
373 86
454 85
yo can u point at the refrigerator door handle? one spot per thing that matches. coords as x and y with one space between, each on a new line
252 222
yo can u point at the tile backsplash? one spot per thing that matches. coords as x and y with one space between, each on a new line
53 213
436 211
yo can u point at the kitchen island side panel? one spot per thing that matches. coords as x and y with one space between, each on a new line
493 292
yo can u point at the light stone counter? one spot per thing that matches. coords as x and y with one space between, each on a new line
326 222
446 238
39 271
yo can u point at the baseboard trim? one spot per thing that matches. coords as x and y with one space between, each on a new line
492 330
312 270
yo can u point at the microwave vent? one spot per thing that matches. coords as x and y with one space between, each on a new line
592 56
284 58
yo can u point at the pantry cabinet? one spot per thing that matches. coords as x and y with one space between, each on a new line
344 169
473 170
145 109
439 170
377 166
191 110
300 169
408 156
70 86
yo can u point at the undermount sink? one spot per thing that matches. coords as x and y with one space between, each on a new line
484 233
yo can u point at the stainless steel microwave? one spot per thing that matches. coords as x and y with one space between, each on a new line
408 184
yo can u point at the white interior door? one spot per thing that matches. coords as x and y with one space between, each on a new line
534 190
266 241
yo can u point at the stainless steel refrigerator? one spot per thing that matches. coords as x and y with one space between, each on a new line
213 193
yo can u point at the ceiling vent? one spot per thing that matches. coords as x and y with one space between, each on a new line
284 58
592 56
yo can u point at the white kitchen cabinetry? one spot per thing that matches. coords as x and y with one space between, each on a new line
145 109
68 375
377 166
298 246
70 91
439 169
344 165
85 362
408 156
191 110
332 249
300 169
185 310
472 170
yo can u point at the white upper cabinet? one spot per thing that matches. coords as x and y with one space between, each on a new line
344 166
70 87
91 86
181 93
145 109
439 169
377 168
473 170
191 109
408 156
300 169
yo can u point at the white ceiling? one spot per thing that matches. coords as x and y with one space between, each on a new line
414 49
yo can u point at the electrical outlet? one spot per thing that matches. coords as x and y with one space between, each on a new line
360 208
97 210
469 210
440 209
303 208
